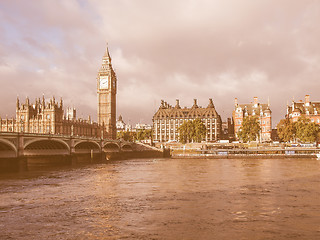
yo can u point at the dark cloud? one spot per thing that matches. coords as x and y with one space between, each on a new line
161 50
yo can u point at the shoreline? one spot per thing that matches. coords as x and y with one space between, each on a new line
244 156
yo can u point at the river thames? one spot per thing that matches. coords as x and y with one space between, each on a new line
165 199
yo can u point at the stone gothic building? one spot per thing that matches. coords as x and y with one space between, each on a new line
107 90
261 110
49 118
168 119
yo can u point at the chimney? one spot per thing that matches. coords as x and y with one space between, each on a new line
255 101
177 103
307 100
195 102
210 105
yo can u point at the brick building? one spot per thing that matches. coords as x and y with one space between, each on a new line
168 119
261 110
304 108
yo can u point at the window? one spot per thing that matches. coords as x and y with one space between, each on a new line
48 116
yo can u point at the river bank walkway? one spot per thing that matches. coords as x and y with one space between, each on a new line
247 153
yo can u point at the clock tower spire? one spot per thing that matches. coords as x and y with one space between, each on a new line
107 90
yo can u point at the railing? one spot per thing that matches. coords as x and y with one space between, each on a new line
246 152
53 135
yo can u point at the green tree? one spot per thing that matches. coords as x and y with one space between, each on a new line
144 134
250 129
306 131
186 132
127 136
192 131
140 135
200 130
286 130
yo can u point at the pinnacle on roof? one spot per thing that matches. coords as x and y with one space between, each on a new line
195 105
210 105
106 62
107 55
177 104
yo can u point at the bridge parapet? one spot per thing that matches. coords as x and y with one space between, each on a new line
21 144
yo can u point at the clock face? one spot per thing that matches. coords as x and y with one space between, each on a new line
104 82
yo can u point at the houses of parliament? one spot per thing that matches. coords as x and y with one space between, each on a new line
49 117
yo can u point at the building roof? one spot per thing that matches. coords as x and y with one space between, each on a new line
167 111
253 108
303 108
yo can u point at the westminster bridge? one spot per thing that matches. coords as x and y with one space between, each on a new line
28 144
28 149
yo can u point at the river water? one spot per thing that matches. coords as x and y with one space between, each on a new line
165 199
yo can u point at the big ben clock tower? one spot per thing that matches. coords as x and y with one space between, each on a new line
107 90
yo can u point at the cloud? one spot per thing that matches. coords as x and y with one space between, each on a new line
161 50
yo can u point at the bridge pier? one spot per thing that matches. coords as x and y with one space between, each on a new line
23 164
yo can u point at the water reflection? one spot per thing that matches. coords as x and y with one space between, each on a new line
165 199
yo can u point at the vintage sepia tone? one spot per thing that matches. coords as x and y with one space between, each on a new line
107 90
159 119
168 119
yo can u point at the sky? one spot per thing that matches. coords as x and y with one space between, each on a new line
168 49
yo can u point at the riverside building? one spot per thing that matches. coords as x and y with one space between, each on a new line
49 118
168 119
307 109
261 110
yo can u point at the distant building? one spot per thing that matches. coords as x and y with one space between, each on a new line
121 125
168 119
308 109
142 126
48 117
71 114
274 135
227 130
262 111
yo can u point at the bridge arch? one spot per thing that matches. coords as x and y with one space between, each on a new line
46 144
126 147
87 145
7 148
111 146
